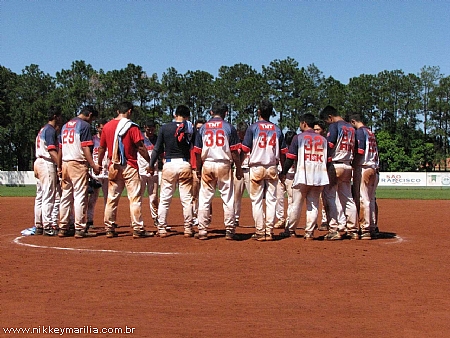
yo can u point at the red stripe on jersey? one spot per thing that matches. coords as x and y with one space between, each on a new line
235 147
245 149
331 145
291 156
51 147
284 150
87 143
361 151
197 150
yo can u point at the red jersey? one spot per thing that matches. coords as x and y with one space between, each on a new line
129 140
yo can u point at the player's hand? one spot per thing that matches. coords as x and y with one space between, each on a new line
59 172
150 170
239 174
96 169
199 173
282 178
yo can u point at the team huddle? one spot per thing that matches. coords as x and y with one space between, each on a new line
314 167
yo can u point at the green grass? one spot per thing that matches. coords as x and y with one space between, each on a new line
437 193
414 193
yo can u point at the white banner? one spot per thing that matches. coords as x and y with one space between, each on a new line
387 179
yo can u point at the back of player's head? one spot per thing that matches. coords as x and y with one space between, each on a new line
289 136
53 112
242 127
199 121
321 124
219 108
355 117
149 124
182 111
309 119
124 106
327 111
89 110
265 109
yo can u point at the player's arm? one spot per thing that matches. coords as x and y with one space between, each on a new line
59 161
88 155
237 163
101 155
158 149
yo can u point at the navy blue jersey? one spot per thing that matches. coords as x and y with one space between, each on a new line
341 142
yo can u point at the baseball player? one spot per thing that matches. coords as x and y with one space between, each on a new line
310 151
149 182
102 178
240 185
265 143
45 171
320 128
195 180
123 140
174 139
365 177
289 177
217 147
341 144
279 210
75 159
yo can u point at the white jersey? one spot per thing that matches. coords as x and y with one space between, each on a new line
310 151
105 163
265 143
142 162
75 135
215 141
46 140
367 149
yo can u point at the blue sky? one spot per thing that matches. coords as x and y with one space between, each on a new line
342 38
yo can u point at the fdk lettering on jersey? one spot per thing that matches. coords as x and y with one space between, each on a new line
314 157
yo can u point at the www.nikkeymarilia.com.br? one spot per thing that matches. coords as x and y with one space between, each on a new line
46 329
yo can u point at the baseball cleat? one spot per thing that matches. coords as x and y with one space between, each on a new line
142 234
201 236
287 234
111 234
308 237
332 236
280 224
366 235
230 236
84 234
323 227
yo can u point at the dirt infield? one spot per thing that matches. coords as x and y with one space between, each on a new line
397 286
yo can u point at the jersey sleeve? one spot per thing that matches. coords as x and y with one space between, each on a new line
85 135
293 149
198 141
247 144
235 143
360 141
332 135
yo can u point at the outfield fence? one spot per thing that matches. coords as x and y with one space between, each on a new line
387 179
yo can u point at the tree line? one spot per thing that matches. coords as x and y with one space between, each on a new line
410 113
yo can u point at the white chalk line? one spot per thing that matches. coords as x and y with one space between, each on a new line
17 240
398 239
